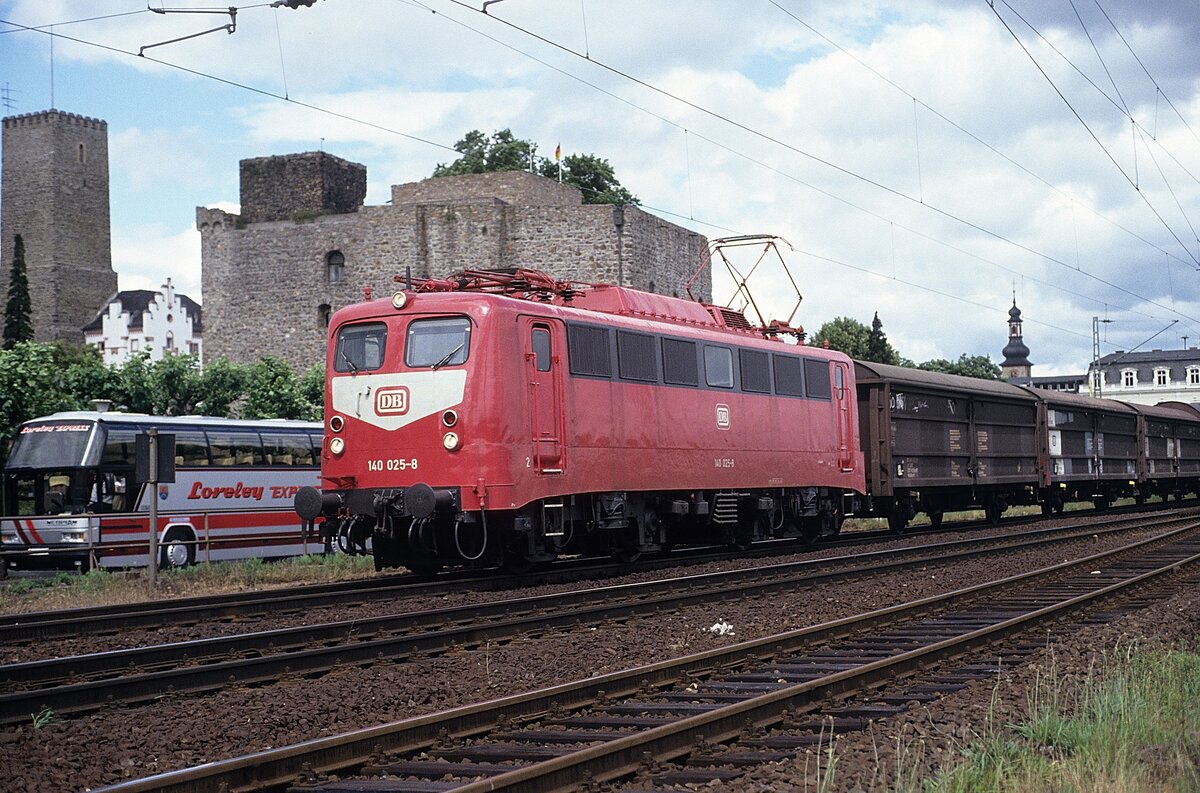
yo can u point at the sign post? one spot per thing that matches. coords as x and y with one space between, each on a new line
154 462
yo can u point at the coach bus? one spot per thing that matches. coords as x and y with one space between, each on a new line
71 499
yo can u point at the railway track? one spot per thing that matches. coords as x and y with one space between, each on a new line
719 710
77 684
42 626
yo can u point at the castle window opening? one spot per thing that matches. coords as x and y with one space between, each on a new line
335 266
324 312
81 153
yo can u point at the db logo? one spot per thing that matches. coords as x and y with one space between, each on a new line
722 417
391 400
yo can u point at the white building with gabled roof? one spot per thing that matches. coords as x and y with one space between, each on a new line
141 319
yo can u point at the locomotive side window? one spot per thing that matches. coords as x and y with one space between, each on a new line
435 343
541 348
679 362
789 376
755 376
718 366
588 350
360 347
816 379
635 357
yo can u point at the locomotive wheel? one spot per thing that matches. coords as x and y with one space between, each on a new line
423 568
627 555
516 564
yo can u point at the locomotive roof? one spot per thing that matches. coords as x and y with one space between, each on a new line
596 298
871 372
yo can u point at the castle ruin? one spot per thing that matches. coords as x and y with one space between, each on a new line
304 246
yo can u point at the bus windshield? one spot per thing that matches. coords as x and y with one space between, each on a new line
54 444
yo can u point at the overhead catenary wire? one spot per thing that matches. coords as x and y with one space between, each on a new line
663 92
449 148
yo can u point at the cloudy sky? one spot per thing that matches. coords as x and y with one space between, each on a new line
922 160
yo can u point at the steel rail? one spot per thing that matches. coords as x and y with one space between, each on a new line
288 651
57 624
273 768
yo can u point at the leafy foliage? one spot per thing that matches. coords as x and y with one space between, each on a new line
18 311
844 334
39 379
593 175
879 349
275 393
980 366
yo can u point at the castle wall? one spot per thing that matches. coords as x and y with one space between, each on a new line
436 227
55 195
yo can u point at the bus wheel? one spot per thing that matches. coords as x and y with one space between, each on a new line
178 549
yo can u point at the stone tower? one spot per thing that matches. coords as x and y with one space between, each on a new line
54 193
1016 365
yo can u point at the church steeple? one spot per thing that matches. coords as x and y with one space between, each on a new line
1016 363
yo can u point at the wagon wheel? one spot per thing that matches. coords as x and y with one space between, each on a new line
897 519
935 518
517 564
992 510
423 567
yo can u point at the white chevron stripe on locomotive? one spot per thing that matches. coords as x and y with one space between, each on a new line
393 401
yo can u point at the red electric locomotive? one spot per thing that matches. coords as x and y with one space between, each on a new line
497 419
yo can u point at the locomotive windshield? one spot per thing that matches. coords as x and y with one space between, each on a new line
360 347
435 343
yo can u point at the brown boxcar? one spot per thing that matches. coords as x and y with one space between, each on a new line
1169 457
1090 447
934 442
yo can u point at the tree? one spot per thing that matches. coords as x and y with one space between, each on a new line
18 326
275 392
879 349
593 175
221 385
979 366
175 382
312 388
844 335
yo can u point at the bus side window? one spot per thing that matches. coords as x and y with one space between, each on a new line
287 448
119 448
191 448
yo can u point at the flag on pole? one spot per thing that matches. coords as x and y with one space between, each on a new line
558 159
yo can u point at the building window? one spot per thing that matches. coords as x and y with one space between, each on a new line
324 312
170 342
193 348
133 345
1162 377
1128 378
1193 374
335 266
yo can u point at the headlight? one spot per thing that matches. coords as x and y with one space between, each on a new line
337 446
74 536
450 441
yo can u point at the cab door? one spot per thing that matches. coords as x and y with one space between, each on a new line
543 340
843 403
